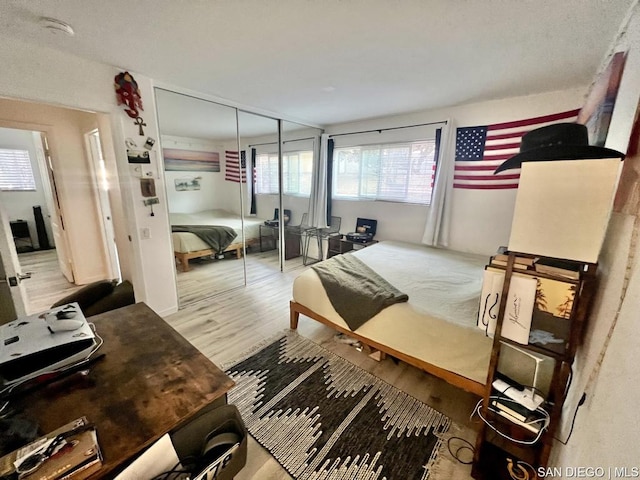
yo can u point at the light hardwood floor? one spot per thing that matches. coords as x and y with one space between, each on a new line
47 285
225 325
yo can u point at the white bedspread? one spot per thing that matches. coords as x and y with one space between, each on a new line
437 325
188 242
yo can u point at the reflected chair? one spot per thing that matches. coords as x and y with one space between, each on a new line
333 230
304 230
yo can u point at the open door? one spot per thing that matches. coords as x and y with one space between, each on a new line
57 219
13 297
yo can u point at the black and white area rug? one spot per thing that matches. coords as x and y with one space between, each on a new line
324 418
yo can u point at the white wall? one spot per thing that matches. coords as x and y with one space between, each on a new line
19 205
480 219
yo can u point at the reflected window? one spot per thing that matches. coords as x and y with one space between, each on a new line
297 168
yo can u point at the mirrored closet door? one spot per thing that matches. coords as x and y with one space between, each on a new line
202 166
258 140
300 148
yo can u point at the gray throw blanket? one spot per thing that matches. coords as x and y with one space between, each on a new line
218 237
355 290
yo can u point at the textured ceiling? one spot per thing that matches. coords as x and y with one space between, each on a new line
332 61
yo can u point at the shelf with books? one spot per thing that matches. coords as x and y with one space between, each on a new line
535 313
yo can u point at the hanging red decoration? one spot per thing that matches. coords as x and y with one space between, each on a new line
128 94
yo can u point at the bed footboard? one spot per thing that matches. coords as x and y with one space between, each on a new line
295 309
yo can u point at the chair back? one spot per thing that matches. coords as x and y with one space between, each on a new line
334 226
287 216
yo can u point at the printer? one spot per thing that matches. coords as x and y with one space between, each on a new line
365 231
30 347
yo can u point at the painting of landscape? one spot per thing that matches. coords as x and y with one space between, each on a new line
190 160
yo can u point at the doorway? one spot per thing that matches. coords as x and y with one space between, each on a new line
54 225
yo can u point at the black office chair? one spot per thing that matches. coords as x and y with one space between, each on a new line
276 218
268 231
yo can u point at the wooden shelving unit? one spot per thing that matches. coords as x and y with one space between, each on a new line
494 452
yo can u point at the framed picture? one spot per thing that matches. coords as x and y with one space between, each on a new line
187 184
550 325
598 108
138 156
190 160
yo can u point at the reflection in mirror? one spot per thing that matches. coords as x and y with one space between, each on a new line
202 175
300 147
258 139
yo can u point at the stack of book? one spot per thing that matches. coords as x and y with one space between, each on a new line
521 263
563 268
518 414
77 457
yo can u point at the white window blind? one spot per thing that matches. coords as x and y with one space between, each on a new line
396 172
15 170
297 169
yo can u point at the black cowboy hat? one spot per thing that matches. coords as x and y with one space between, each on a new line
560 141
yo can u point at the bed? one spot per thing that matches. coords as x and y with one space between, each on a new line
187 245
435 330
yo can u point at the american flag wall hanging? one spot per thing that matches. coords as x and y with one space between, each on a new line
232 167
480 150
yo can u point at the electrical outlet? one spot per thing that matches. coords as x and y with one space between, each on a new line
145 233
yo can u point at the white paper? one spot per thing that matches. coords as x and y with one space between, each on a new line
519 309
492 284
563 207
158 458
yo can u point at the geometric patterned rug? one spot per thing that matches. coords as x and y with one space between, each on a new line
322 417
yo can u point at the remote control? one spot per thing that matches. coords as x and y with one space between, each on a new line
527 398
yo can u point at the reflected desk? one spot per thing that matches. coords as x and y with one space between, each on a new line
269 241
150 381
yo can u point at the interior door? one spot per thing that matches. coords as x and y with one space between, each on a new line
57 220
99 172
13 297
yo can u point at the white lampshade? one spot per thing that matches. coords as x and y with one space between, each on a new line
563 208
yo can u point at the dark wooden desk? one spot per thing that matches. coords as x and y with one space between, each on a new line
150 381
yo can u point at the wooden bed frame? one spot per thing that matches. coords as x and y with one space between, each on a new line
295 309
183 258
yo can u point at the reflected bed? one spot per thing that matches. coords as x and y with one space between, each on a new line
187 245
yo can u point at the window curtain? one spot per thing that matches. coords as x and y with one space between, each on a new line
436 232
318 201
252 183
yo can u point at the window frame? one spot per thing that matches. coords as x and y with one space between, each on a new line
380 147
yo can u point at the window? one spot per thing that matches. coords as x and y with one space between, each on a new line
396 172
15 170
297 168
